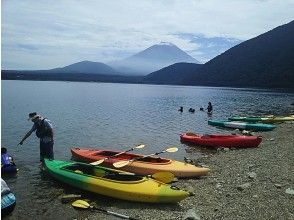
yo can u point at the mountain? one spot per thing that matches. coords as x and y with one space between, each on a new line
263 61
86 67
81 71
151 59
172 74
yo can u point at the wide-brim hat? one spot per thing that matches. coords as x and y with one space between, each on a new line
33 116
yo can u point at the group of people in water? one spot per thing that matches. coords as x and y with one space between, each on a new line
209 109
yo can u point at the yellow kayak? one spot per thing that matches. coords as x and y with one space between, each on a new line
266 119
114 183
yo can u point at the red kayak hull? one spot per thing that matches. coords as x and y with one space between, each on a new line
221 140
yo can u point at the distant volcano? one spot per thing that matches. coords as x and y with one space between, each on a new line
151 59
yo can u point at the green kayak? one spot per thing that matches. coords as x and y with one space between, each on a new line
242 125
114 183
265 119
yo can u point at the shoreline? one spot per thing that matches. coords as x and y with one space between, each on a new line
243 184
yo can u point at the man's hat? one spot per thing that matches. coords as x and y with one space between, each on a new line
33 115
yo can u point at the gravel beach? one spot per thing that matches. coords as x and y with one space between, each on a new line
243 184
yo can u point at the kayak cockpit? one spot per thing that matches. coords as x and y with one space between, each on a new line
94 171
127 156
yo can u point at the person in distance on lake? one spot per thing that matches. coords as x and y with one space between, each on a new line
44 131
209 108
181 109
191 110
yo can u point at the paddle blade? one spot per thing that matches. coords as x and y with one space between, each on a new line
172 149
81 204
97 162
120 164
165 177
140 146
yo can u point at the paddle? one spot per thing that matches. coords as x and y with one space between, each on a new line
120 164
84 205
106 158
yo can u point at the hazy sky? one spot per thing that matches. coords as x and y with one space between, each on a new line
42 34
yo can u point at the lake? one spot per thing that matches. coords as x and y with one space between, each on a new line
112 116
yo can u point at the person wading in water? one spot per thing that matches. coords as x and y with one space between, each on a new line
209 108
44 131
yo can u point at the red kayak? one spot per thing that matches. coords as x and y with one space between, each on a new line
221 140
143 166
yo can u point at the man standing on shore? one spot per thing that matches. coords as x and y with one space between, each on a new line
44 131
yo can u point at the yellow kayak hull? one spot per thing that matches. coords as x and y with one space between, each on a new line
178 168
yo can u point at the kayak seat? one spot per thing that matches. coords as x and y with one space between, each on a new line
78 171
153 160
122 177
106 153
82 169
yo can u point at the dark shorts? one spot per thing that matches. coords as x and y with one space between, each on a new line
46 150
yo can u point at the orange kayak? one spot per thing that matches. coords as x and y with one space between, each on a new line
143 166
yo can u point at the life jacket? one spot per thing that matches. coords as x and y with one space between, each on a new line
42 131
6 160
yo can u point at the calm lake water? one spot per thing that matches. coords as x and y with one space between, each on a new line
111 116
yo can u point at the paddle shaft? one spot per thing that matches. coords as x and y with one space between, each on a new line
138 158
107 158
114 213
121 153
124 163
133 148
115 155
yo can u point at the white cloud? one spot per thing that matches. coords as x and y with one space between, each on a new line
45 34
